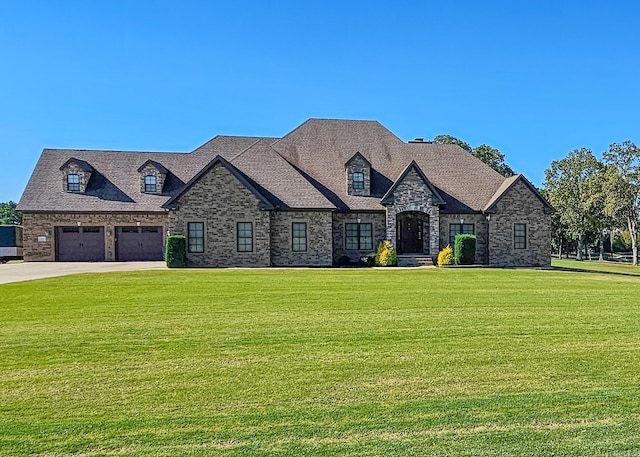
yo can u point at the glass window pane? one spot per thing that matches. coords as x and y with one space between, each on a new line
73 182
352 236
195 236
245 236
299 238
358 180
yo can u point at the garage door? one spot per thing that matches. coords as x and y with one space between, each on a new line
80 244
139 243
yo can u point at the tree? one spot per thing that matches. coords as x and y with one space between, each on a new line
448 139
491 156
574 187
622 188
8 213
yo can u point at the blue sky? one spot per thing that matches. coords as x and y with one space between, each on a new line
533 79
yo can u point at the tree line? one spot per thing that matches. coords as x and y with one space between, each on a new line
595 199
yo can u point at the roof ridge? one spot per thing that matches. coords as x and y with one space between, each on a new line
247 148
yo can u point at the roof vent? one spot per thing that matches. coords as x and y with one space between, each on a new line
419 140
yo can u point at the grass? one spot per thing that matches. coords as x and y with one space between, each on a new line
594 265
451 362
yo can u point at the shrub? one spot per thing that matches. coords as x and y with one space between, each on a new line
445 257
368 260
343 261
464 249
386 254
176 251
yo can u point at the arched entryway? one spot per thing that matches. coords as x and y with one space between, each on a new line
412 232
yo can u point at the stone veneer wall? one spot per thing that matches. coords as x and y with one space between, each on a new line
339 232
319 238
43 225
358 165
220 200
413 195
480 226
150 170
520 205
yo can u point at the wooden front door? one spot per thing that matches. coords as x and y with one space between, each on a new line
409 232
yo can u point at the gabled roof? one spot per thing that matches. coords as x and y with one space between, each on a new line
507 185
319 148
158 166
83 165
387 199
218 160
264 166
304 169
356 155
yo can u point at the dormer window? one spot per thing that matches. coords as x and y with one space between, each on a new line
73 183
76 174
358 180
358 171
150 185
152 177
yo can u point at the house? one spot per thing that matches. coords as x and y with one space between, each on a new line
328 190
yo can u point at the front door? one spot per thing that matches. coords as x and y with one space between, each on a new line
409 232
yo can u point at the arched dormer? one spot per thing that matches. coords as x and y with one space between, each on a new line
152 177
75 175
358 170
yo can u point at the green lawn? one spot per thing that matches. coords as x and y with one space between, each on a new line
593 265
442 362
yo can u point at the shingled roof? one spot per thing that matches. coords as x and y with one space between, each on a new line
304 169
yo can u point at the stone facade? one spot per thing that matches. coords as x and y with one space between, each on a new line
377 220
412 194
319 250
39 230
358 164
150 170
221 201
479 222
520 206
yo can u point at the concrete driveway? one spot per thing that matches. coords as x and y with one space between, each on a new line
14 272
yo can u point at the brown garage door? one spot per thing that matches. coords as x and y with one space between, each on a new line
80 244
139 243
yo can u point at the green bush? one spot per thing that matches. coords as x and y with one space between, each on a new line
445 257
176 251
464 249
343 261
386 254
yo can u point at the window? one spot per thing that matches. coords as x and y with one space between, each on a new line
520 236
358 181
454 229
150 184
359 236
299 236
245 237
195 236
73 182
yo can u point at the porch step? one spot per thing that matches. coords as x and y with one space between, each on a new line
417 260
